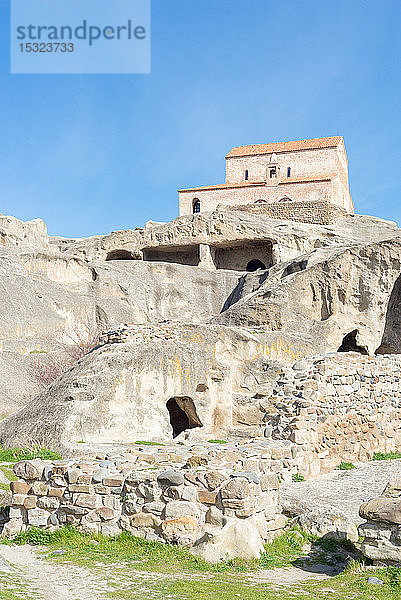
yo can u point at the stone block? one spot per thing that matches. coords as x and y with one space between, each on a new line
56 492
111 502
86 500
239 488
18 499
106 514
38 517
215 517
48 503
20 487
99 475
383 509
168 478
113 481
17 512
30 502
84 478
12 527
83 488
143 519
206 497
29 469
39 488
73 474
176 509
176 529
155 508
269 481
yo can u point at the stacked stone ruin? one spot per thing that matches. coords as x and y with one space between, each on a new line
167 493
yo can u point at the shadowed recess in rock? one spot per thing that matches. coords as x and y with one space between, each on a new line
182 415
349 344
120 255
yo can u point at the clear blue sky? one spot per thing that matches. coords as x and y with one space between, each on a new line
95 153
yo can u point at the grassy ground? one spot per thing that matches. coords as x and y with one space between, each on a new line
141 570
13 455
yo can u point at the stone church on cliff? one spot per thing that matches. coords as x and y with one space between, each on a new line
297 180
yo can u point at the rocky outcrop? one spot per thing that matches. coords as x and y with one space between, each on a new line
382 531
325 296
184 375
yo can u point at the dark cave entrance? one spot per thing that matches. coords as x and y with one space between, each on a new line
119 255
254 265
349 344
183 414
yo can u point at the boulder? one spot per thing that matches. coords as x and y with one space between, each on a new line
382 510
328 522
237 539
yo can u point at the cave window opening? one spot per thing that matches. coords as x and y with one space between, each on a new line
119 255
254 265
246 175
182 414
349 344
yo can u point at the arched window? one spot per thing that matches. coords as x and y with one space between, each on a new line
285 199
196 206
246 175
288 171
273 172
260 201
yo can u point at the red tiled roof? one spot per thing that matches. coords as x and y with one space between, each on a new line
220 186
254 149
248 184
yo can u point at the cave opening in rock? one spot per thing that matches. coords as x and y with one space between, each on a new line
183 414
349 344
254 265
119 255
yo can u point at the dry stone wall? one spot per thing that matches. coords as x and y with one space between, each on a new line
338 407
175 494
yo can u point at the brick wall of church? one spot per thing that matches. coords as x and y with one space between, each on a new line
319 213
317 191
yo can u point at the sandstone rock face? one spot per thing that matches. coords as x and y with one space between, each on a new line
328 294
208 352
135 390
55 296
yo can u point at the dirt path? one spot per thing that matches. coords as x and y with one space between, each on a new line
50 580
33 576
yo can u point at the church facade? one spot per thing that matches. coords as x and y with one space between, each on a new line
304 171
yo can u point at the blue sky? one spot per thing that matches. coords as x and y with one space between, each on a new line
95 153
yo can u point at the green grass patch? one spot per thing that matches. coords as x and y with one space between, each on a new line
386 455
298 477
345 466
135 562
141 443
14 455
217 441
282 551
